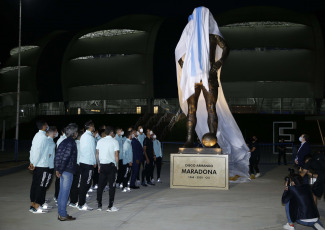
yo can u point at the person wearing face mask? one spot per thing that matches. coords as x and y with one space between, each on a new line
303 150
119 138
50 150
74 191
158 152
141 136
57 180
39 165
127 161
137 151
254 159
65 166
87 162
150 156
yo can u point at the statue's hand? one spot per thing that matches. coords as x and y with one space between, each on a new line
215 67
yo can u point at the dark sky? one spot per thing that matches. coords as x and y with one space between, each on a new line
41 17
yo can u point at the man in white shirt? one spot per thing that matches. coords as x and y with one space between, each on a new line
39 164
107 155
87 161
119 138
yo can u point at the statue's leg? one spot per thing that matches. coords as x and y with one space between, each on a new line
191 116
211 98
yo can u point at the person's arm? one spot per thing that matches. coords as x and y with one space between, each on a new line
116 159
68 153
145 151
97 159
286 196
131 156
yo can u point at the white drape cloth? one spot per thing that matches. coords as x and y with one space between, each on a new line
194 48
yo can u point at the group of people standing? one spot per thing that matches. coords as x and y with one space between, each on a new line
84 160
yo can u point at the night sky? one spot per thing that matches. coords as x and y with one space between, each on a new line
41 17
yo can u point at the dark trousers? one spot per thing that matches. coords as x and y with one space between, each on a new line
47 184
158 163
253 164
143 173
135 171
57 187
74 191
86 173
108 173
149 169
282 154
120 172
126 174
95 177
38 187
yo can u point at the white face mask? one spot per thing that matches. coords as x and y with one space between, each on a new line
300 139
56 135
141 130
154 136
133 136
151 132
47 129
97 135
122 133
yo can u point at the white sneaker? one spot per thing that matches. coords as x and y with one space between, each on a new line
46 206
128 189
55 199
124 190
85 207
129 183
39 210
91 190
121 186
257 175
153 181
95 187
318 226
158 180
288 226
112 209
73 205
87 195
117 185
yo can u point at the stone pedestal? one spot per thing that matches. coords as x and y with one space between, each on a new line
199 168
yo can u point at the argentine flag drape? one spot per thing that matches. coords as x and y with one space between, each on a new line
194 48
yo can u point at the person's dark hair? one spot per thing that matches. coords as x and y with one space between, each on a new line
109 130
71 129
297 179
101 131
117 129
306 136
52 129
128 134
101 127
88 124
40 124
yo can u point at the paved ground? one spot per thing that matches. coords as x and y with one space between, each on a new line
254 205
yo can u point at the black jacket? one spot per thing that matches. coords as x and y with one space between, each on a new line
302 205
302 152
66 156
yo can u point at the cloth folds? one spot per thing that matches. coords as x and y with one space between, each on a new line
194 48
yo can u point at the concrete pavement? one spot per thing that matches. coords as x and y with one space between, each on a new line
254 205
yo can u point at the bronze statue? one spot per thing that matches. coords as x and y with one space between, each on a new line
210 96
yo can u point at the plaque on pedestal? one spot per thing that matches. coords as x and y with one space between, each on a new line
199 168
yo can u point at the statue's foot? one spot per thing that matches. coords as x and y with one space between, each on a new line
188 144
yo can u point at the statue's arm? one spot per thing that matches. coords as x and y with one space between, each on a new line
225 51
